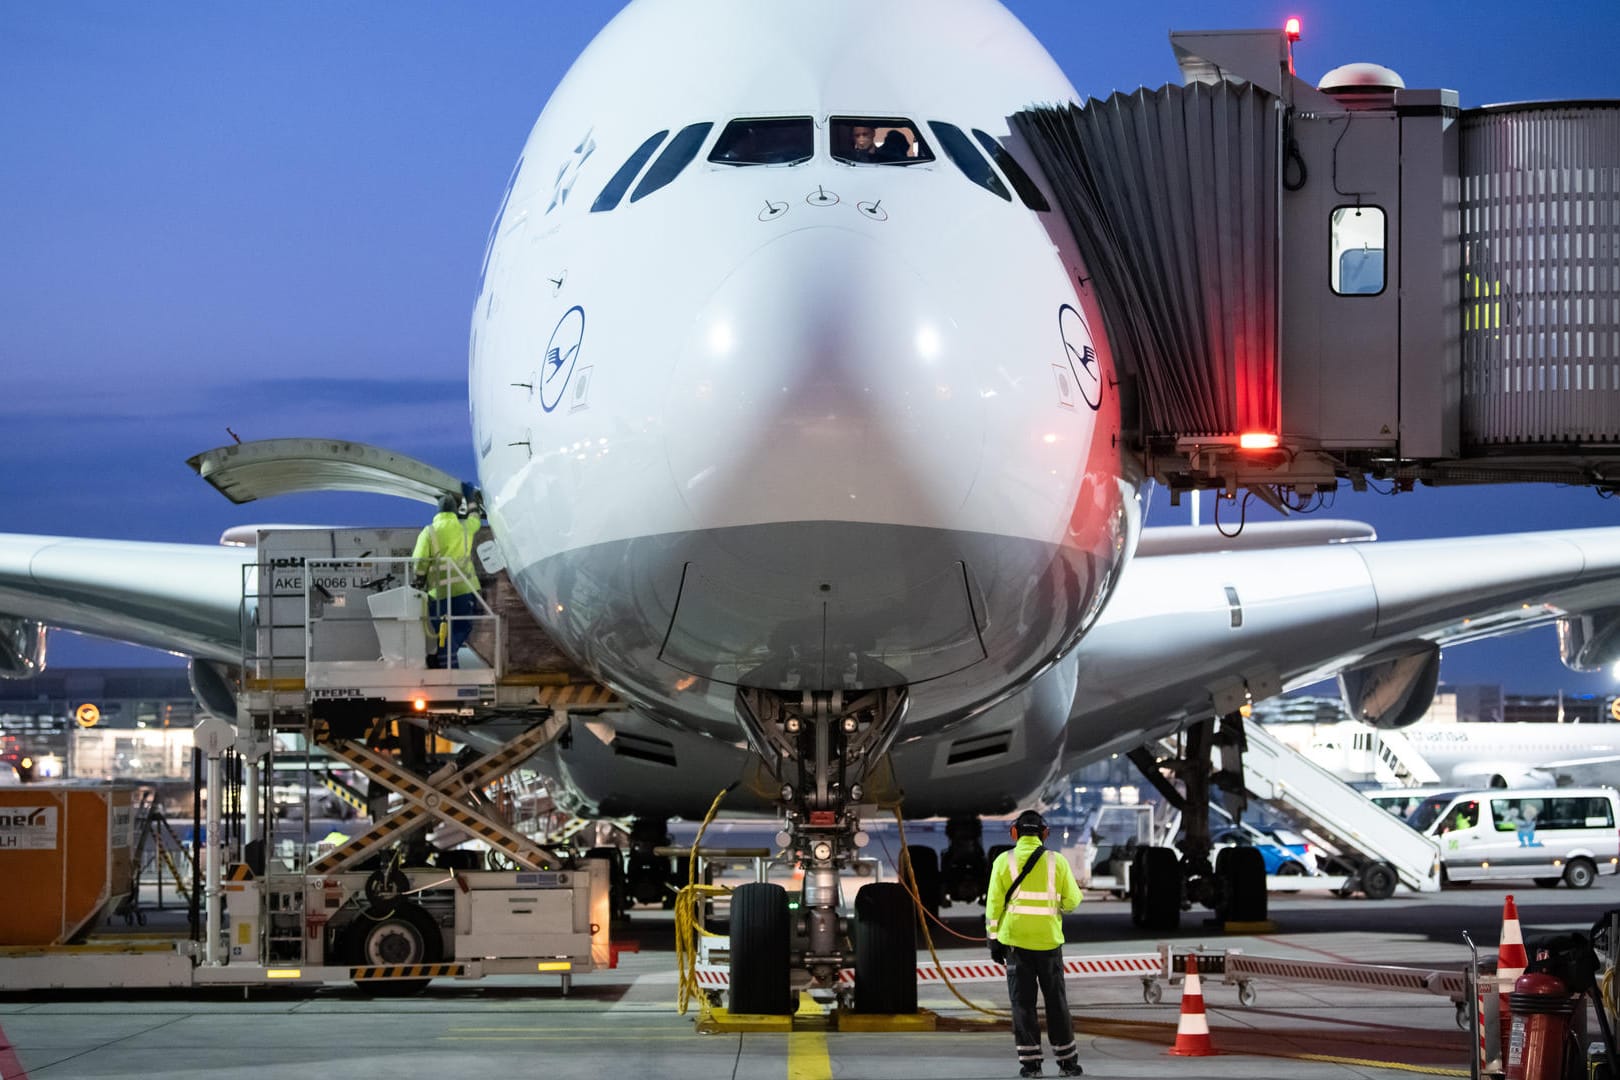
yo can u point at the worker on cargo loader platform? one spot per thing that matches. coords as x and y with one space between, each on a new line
444 565
1030 889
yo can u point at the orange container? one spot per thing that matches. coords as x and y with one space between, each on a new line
65 853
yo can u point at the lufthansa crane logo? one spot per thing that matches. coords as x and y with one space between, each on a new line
1082 355
561 353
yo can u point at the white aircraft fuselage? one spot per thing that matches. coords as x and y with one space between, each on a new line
812 426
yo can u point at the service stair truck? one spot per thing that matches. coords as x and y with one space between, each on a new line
1381 850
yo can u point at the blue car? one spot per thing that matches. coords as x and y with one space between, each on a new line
1284 852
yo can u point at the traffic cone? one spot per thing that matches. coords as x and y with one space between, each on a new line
1511 960
1192 1030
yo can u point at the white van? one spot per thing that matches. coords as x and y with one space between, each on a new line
1545 834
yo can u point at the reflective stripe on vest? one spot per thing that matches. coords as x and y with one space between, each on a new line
1041 903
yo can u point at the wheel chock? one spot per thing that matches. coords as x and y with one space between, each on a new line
718 1020
921 1020
1261 926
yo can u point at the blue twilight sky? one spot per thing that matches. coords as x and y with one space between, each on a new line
271 218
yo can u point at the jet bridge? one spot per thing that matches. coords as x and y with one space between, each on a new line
1310 285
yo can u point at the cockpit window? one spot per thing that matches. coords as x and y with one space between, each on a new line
1027 191
676 156
959 148
878 140
620 183
772 141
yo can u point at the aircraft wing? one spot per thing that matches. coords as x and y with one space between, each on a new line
1576 763
184 598
1187 636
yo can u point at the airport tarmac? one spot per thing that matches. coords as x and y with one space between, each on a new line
623 1022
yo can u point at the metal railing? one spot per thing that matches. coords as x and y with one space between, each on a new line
374 611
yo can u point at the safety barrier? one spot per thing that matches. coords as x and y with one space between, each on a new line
1154 970
714 968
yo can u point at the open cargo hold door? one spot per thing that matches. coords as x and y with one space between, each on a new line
249 471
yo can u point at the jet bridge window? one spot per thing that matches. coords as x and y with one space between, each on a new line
676 156
1014 172
960 149
620 183
877 140
766 141
1357 248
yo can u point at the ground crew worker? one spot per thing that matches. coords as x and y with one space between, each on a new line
1030 889
444 564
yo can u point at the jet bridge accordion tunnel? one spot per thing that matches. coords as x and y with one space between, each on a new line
1309 285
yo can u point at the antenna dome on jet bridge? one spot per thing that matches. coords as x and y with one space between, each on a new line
1361 78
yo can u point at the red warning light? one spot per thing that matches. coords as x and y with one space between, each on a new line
419 704
1291 28
1257 440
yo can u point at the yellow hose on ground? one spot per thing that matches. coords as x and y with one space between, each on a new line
688 926
908 878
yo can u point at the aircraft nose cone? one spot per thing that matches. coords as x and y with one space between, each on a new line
823 381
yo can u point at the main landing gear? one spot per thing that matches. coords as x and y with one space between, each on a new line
1163 886
822 746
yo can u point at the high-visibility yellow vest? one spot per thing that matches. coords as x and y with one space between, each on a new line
1034 917
1482 304
447 539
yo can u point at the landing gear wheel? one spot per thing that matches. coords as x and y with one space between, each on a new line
1378 881
405 935
1156 889
759 950
925 867
1579 874
1547 882
1242 872
885 949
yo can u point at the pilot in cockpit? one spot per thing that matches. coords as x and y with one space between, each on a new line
896 147
863 140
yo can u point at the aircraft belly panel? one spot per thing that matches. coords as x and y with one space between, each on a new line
677 621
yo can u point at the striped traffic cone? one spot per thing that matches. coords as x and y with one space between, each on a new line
1511 961
1192 1030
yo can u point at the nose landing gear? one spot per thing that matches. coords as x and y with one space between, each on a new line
822 746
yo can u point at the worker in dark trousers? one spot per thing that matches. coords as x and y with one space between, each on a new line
1030 889
444 566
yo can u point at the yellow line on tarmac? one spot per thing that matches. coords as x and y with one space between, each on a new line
595 1037
807 1050
612 1029
1428 1070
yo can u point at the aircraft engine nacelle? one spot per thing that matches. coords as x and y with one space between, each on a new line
1393 688
22 647
215 685
1590 642
1501 774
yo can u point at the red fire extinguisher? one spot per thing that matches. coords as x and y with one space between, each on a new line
1542 1008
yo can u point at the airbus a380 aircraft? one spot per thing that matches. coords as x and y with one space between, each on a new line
798 429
